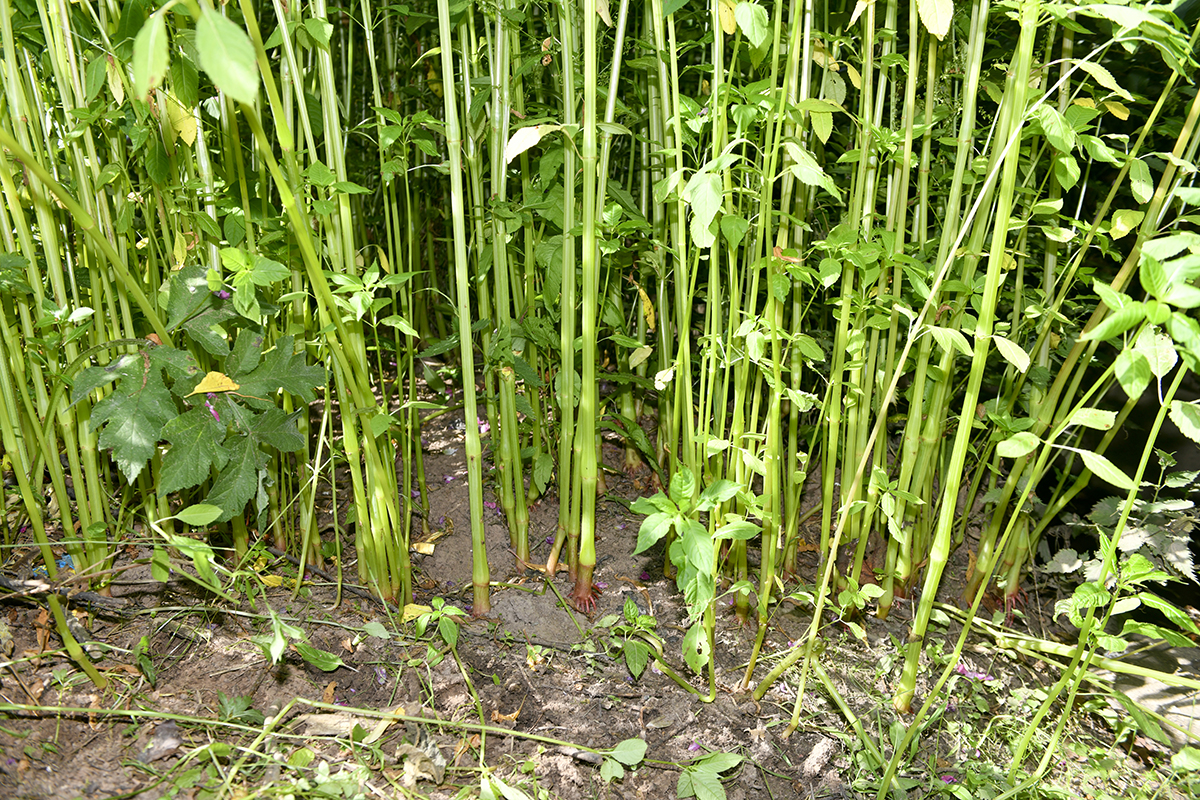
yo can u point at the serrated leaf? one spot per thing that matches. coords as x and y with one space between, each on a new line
227 55
196 448
950 339
281 368
1133 372
238 481
277 429
1186 417
683 487
131 419
1123 221
754 22
1103 77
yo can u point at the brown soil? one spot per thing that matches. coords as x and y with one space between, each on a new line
529 667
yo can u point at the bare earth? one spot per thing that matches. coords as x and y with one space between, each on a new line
532 671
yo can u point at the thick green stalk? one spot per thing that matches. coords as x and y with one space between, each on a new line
479 574
1012 123
585 428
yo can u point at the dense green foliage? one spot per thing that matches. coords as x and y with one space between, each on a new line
900 259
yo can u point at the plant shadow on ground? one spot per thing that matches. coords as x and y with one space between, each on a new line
193 688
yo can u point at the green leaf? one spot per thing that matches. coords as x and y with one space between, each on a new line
277 429
754 23
321 659
196 448
376 629
265 271
636 656
150 57
950 339
1012 353
238 482
200 554
1139 180
654 527
1132 371
227 55
1104 469
320 30
1056 128
1094 418
198 515
630 752
1103 77
281 368
1186 760
131 419
738 529
716 493
807 169
611 771
1018 445
734 229
718 762
704 194
695 648
1186 417
448 629
683 487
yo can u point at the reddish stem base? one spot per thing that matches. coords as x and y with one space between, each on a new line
584 595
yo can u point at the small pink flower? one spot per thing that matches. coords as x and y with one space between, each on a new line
208 404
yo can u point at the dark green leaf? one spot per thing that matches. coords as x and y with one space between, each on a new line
238 481
196 448
281 368
131 419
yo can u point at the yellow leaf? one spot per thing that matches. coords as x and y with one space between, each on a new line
182 120
936 16
855 78
412 611
726 10
859 8
179 251
215 382
271 580
647 307
114 81
603 12
1118 110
